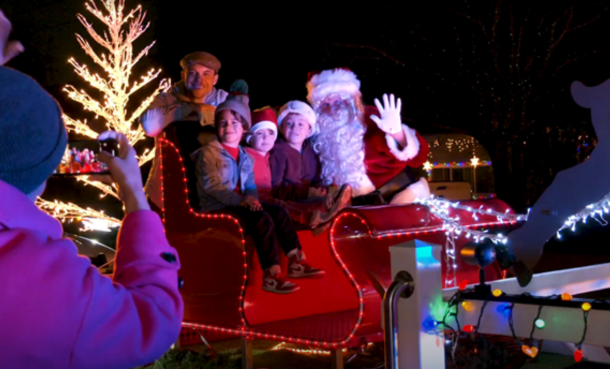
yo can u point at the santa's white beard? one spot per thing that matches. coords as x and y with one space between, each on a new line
341 148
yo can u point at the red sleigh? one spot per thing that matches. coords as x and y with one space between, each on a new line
222 278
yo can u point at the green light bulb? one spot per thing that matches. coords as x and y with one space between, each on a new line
540 323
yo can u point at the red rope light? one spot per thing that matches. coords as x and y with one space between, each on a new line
207 216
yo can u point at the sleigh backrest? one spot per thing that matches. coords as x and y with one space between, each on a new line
184 137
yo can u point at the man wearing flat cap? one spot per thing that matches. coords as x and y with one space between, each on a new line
194 98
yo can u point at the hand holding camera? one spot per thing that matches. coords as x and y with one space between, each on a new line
124 170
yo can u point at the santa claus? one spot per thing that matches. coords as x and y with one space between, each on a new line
366 147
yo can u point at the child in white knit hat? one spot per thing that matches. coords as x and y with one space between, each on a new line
295 166
261 139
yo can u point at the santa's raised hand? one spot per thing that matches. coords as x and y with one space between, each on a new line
390 121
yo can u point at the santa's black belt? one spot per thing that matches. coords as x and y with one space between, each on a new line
384 194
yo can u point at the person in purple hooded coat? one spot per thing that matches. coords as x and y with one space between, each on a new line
57 310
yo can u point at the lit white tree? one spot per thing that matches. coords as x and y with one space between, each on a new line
117 61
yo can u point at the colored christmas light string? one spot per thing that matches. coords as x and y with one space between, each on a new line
578 353
532 350
534 325
473 163
448 314
476 328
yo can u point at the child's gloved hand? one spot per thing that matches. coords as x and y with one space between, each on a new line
251 203
390 121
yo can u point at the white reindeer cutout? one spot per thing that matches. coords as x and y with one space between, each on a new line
574 188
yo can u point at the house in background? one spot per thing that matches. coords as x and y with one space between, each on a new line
458 167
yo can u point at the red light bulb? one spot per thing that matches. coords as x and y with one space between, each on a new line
468 328
578 356
463 285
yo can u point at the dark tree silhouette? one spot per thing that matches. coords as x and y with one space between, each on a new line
497 70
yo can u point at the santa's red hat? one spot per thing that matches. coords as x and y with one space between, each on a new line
263 118
338 80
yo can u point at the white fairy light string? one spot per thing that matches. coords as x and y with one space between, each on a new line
441 207
117 63
506 216
593 211
450 264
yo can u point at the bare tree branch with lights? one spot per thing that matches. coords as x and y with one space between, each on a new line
117 61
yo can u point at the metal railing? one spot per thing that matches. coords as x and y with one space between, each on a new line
402 286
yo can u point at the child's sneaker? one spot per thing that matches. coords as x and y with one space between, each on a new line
298 267
277 283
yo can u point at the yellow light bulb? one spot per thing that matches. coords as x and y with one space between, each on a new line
467 305
497 293
586 306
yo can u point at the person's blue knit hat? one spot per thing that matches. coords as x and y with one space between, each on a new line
33 136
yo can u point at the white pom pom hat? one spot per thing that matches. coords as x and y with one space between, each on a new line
301 108
338 80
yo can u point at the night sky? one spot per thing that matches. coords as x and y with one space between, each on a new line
498 70
422 51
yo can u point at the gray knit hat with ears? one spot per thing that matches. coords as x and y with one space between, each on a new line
238 101
33 137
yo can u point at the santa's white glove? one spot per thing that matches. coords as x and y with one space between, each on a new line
390 121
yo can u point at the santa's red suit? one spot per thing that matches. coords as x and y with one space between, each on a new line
384 160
